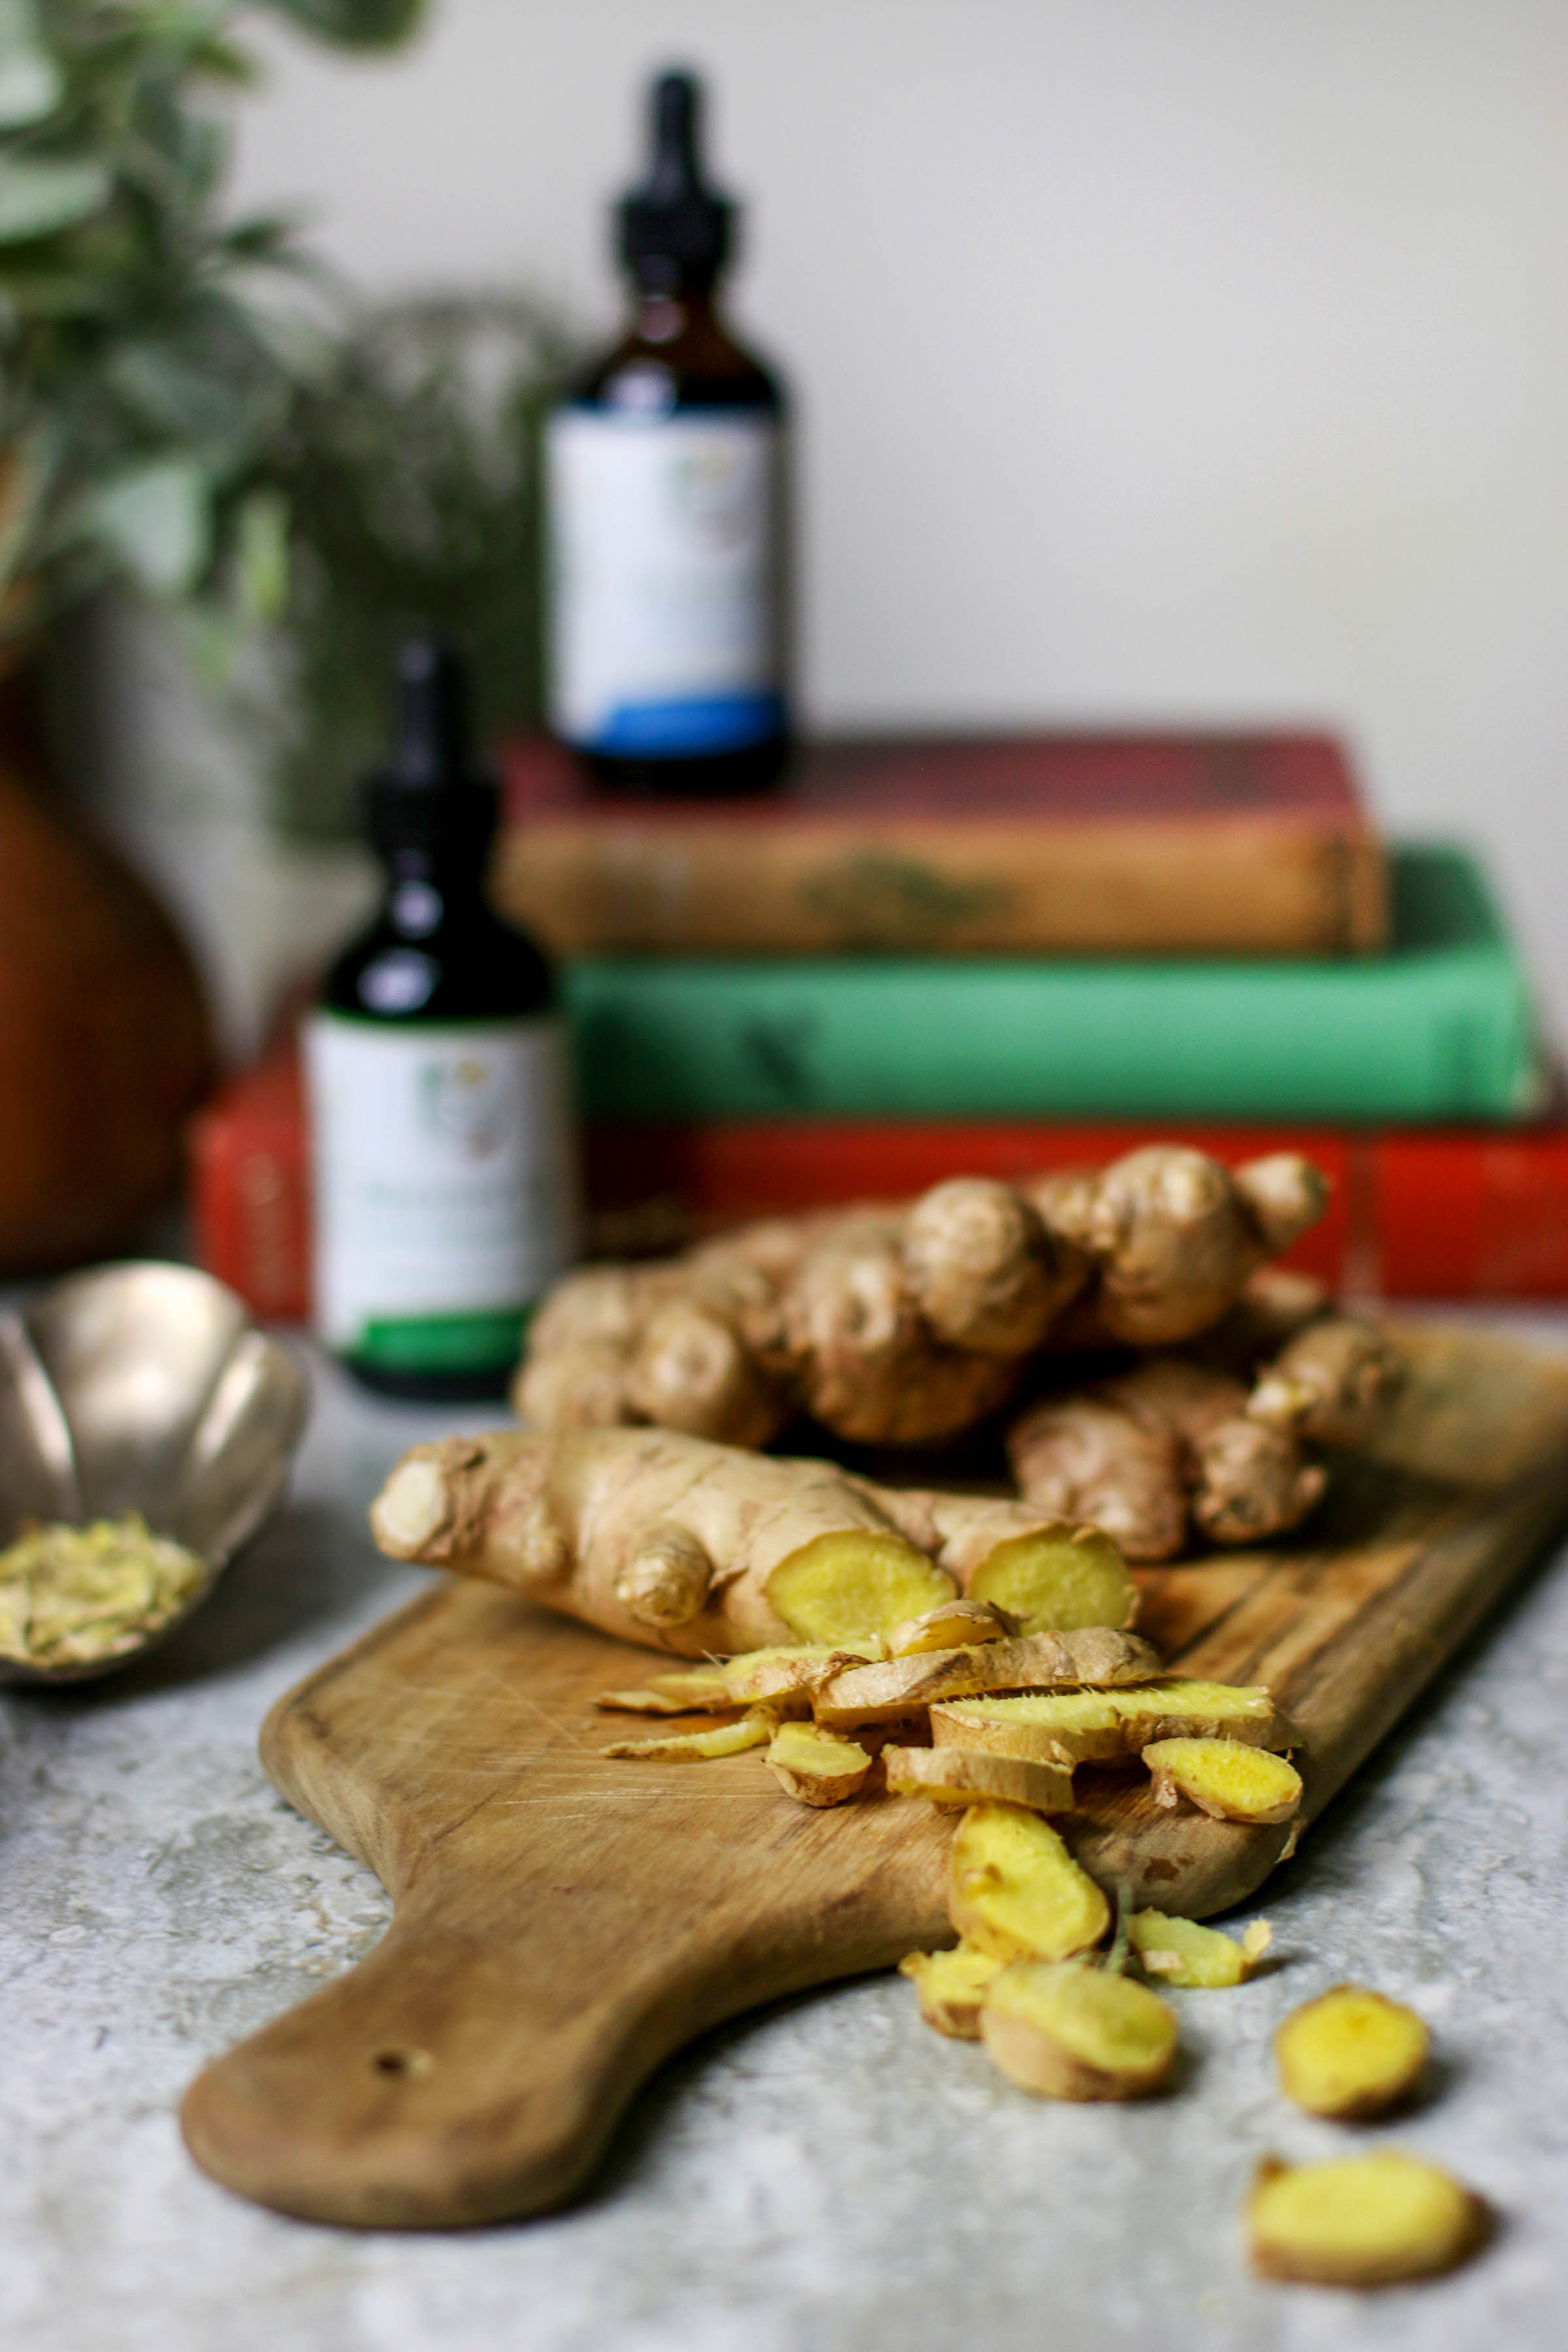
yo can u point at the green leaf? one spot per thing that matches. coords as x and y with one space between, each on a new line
354 24
156 520
30 80
39 197
261 555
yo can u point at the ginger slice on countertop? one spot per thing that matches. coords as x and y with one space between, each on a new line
961 1776
1066 2030
951 1625
1184 1953
1015 1890
1103 1727
1361 2221
695 1747
1226 1778
816 1768
1350 2053
1094 1654
950 1987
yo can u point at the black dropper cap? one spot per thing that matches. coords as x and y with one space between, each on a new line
674 227
432 793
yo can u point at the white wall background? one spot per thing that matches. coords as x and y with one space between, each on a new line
1155 359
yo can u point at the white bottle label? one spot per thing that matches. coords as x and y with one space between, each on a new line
445 1183
664 588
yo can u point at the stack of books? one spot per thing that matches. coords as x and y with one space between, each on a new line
997 955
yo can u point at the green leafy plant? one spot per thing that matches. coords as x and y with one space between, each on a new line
401 491
141 372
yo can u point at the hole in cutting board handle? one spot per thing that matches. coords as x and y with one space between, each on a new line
402 2062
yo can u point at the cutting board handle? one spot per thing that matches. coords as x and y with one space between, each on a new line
460 2074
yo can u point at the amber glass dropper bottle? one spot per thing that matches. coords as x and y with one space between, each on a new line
445 1167
667 593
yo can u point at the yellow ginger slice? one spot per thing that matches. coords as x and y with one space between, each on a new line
951 1625
1055 1581
695 1747
697 1691
1015 1890
1066 2029
789 1679
1224 1777
902 1687
1102 1727
1361 2221
1181 1952
950 1987
855 1586
814 1767
1349 2054
967 1776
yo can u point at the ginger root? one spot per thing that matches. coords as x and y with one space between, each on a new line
1361 2221
1015 1890
1183 1445
1064 2029
1350 2053
951 1625
903 1326
814 1767
950 1987
1105 1727
1225 1779
961 1776
1181 1952
706 1551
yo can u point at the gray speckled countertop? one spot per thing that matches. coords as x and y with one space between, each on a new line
826 2177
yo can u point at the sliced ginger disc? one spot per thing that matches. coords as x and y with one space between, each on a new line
967 1776
814 1767
1361 2221
1070 2031
1225 1778
855 1586
1056 1583
1350 2053
951 1988
1182 1952
1015 1890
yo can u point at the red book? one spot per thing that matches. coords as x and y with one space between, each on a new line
1415 1213
1113 844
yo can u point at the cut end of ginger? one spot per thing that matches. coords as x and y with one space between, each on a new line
814 1767
1225 1779
1070 2031
1361 2221
1182 1952
1350 2053
1015 1890
1056 1582
951 1625
855 1586
950 1987
961 1776
412 1508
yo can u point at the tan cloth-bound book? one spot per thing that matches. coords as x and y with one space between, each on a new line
1159 845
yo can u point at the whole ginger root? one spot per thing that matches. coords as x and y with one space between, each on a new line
1185 1445
706 1551
907 1325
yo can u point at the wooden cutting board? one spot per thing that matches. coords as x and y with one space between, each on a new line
564 1921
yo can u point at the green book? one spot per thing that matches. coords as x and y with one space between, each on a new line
1439 1027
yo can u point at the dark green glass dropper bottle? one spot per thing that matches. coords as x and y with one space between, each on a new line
445 1180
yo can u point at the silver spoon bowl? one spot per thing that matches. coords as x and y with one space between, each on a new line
144 1388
